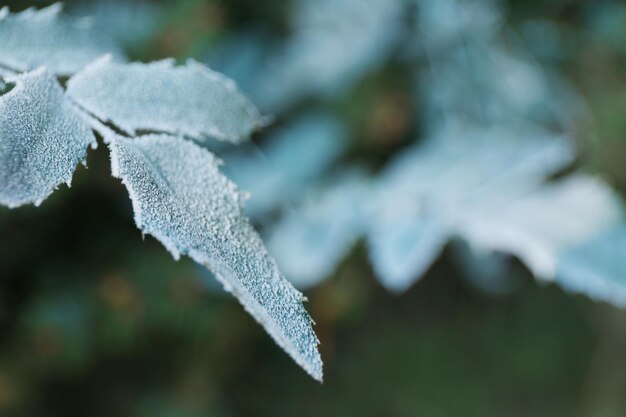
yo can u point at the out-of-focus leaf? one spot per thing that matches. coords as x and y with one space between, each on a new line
444 23
180 197
471 72
597 267
485 186
540 225
128 22
496 86
429 191
241 56
188 100
42 139
333 45
47 37
403 249
294 156
309 241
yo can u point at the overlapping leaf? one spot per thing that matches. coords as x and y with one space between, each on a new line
293 157
596 267
425 193
334 43
180 197
47 37
130 23
543 223
189 100
41 139
309 241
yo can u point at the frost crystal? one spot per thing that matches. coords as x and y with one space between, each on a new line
180 197
41 139
188 100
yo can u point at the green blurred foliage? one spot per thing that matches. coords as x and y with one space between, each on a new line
96 321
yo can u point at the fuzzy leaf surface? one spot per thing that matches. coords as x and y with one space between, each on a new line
42 139
189 100
180 197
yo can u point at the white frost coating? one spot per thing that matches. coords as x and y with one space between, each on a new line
41 139
309 241
430 192
48 37
180 197
189 100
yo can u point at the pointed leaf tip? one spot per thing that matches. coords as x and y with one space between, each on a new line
180 197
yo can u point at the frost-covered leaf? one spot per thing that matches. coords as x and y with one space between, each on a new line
180 197
427 192
42 139
291 159
309 241
48 37
189 100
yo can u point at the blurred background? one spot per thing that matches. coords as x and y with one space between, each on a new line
97 321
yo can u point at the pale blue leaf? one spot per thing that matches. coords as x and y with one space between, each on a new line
428 193
596 268
309 241
293 157
189 100
489 84
180 197
48 37
545 222
471 72
42 139
127 22
333 45
241 56
445 23
402 250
